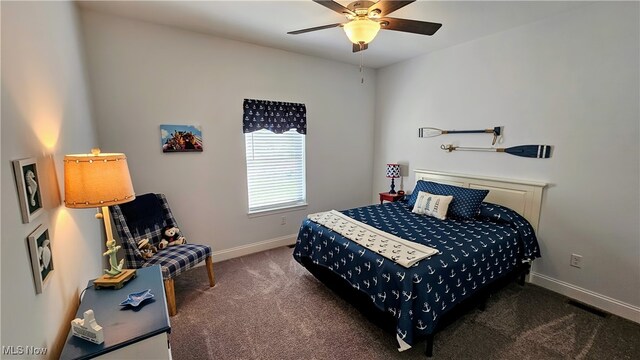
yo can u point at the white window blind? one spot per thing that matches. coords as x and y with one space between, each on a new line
275 169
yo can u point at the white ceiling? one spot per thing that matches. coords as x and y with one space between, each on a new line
267 22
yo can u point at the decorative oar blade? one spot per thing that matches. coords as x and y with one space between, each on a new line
411 26
386 7
313 29
360 47
532 151
428 132
334 6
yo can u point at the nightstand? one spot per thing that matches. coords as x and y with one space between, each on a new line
129 333
389 197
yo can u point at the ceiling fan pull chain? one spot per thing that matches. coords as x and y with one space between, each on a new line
361 71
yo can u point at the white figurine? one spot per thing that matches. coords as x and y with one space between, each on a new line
116 268
45 255
32 186
87 328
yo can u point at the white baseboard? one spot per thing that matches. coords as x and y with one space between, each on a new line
613 306
259 246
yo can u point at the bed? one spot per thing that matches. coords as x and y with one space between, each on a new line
473 253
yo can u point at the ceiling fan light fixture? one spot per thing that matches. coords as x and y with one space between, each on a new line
361 30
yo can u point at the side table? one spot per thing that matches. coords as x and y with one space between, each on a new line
129 333
389 197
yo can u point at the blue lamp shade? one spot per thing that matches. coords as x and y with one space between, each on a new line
393 172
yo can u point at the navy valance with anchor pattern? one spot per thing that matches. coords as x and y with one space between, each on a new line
277 117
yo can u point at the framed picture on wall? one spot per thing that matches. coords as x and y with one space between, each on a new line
29 190
41 257
181 138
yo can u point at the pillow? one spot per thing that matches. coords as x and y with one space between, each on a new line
432 205
466 202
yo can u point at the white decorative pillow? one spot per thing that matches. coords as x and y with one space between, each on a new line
432 205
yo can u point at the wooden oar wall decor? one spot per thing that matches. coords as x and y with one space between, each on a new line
531 151
432 132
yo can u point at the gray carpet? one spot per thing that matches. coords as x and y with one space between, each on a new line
267 306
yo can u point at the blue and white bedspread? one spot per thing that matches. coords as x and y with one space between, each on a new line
473 254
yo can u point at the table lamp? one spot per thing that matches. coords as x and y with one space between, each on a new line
97 181
393 172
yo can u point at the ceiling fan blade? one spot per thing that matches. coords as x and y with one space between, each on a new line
411 26
386 7
313 29
360 47
334 6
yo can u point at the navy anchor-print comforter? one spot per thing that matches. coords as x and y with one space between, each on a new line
473 253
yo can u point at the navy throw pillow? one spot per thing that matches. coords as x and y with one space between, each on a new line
466 202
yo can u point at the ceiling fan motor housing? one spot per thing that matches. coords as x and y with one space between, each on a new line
361 8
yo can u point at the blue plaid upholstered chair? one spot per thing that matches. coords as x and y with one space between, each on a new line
145 217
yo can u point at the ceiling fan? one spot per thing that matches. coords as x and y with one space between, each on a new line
366 18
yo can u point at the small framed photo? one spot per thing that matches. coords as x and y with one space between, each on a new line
41 257
181 138
29 190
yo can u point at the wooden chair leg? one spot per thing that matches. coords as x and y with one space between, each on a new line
212 278
171 296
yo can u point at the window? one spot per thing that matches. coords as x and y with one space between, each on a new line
275 170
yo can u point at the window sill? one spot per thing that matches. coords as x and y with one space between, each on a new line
284 209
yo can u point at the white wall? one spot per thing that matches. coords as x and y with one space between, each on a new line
144 75
45 114
570 81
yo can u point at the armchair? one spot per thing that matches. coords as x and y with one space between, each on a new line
145 217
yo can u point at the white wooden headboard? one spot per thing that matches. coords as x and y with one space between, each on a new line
525 197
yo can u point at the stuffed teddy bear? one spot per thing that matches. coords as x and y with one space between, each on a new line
170 237
146 248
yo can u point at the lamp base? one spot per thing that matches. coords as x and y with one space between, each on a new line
393 187
115 282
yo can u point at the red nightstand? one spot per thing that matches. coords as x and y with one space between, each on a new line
389 197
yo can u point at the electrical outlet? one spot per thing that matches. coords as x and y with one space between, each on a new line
576 260
283 220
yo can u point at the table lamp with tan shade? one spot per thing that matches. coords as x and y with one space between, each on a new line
99 180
